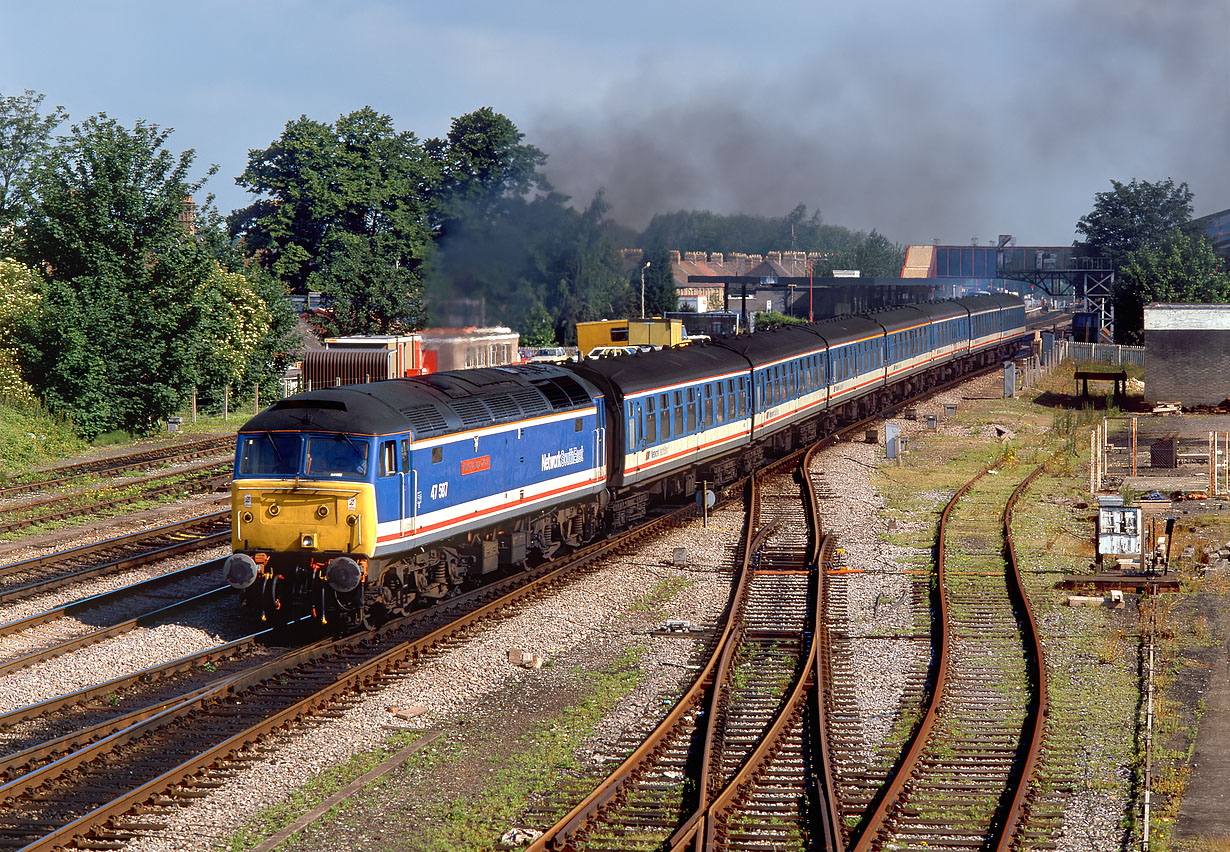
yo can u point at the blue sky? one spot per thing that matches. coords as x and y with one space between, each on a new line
943 120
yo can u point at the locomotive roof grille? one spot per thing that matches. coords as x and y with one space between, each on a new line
555 394
530 402
426 421
472 411
503 408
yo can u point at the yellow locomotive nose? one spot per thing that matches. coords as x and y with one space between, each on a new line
270 516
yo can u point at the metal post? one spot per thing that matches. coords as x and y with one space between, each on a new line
226 403
648 263
1134 427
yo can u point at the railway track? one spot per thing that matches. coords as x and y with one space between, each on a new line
77 787
51 571
62 629
128 463
725 764
962 779
199 478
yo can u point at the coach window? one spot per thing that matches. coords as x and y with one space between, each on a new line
633 416
708 405
721 406
651 422
678 430
388 458
691 409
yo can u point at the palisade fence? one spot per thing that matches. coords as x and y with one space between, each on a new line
1101 353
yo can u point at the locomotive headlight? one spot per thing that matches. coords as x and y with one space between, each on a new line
322 512
352 519
343 574
246 517
307 542
273 510
240 570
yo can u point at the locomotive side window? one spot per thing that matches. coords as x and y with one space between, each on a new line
405 455
437 455
270 455
388 458
578 424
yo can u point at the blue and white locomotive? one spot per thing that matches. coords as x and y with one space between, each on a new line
354 503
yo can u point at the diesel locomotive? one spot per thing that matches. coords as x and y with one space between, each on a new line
351 504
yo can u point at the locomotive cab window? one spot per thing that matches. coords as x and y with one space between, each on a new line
336 455
269 455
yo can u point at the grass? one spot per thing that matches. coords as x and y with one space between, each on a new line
32 436
663 590
516 775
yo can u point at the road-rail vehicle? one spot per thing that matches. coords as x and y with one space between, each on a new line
354 503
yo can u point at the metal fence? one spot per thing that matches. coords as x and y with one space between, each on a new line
1102 353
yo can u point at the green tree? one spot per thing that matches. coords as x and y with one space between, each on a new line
25 134
19 302
660 295
1134 215
1181 268
765 320
113 345
246 335
344 210
483 165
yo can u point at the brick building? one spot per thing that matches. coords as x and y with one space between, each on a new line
1187 354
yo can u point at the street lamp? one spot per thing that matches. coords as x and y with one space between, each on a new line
648 264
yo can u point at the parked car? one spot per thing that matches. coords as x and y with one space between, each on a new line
549 355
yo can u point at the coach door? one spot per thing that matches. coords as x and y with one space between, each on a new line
409 488
598 467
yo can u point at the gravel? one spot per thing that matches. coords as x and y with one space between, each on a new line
587 618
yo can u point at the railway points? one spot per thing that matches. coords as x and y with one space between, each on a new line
971 423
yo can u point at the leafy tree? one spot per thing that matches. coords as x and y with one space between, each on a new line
1181 268
483 166
876 257
25 133
113 345
1133 216
705 231
343 210
660 295
19 301
765 320
245 338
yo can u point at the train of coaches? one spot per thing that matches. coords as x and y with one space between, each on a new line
354 503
